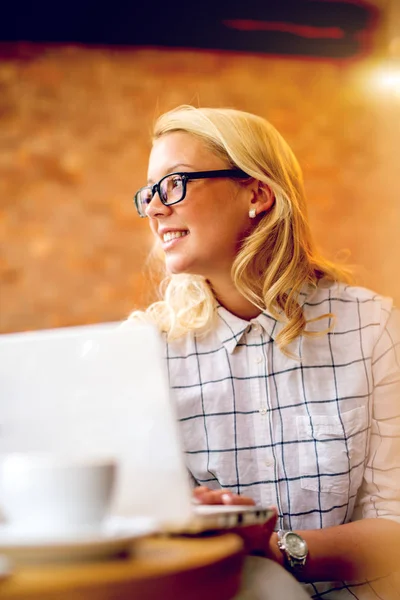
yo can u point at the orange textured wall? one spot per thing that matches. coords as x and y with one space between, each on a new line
74 140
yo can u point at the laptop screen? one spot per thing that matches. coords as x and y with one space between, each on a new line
98 390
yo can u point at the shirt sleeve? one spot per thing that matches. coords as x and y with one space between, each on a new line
379 495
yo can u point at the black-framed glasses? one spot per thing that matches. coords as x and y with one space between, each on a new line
172 188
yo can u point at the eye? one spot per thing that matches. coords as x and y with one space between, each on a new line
146 196
176 181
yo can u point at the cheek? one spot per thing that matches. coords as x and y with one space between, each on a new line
227 228
153 227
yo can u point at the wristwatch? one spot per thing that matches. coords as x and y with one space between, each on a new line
294 548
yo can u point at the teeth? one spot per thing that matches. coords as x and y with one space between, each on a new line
171 235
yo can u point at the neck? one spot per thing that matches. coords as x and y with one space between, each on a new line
230 298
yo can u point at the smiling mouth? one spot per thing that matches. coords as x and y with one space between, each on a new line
173 235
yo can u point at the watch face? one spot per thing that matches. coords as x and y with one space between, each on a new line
295 545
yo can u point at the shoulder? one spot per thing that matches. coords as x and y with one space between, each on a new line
352 307
358 294
341 297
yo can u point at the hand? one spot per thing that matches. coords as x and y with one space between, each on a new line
204 495
258 539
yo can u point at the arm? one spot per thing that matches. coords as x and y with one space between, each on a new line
368 548
365 549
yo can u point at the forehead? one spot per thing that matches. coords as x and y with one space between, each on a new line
179 150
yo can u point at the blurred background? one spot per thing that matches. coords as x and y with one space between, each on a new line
80 87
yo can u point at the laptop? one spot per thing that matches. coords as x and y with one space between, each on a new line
102 390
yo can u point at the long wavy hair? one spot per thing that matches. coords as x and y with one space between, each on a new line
277 259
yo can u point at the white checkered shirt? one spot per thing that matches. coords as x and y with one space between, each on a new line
319 437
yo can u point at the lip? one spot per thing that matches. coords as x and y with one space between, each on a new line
164 230
173 242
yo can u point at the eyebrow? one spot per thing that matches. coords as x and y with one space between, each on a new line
171 169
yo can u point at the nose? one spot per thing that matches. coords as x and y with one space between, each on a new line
156 208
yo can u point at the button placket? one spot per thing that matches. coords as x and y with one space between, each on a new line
266 457
255 332
258 367
259 359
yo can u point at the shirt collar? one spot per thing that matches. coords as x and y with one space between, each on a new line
230 328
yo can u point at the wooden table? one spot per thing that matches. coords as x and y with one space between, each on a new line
205 568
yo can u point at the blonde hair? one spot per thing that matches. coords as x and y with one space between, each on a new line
277 258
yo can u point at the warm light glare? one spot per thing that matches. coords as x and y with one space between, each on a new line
388 78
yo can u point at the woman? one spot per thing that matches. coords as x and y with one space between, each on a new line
287 376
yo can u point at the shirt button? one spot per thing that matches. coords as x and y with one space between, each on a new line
269 462
255 329
259 359
262 411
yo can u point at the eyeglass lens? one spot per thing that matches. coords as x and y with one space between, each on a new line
171 190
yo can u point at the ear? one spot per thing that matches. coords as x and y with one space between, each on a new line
263 198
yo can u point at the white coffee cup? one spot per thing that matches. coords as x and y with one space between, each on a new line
47 495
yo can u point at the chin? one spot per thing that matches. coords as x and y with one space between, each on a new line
176 269
180 268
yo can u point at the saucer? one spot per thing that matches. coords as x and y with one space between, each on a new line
5 567
115 537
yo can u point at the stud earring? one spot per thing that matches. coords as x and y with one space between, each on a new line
252 213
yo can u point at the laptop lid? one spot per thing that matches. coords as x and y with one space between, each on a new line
98 390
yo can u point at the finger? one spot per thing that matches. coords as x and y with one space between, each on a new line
214 497
223 497
202 495
207 496
236 500
200 489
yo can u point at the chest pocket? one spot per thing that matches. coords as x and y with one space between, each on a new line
332 451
